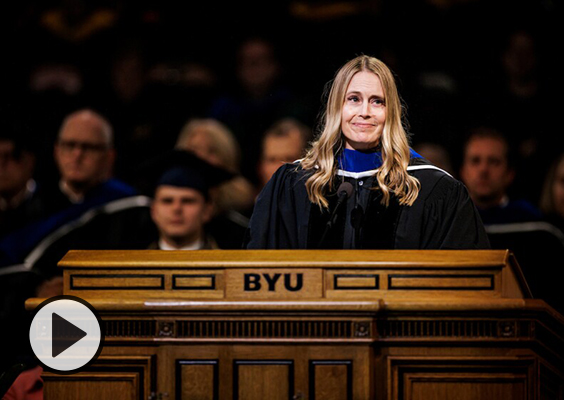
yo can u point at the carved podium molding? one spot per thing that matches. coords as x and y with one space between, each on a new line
313 325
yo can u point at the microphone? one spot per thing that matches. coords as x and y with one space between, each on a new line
344 192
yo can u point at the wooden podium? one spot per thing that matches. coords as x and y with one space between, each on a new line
385 325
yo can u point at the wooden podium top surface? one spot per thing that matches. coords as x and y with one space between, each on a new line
286 258
213 278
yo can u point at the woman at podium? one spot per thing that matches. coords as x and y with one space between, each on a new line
361 186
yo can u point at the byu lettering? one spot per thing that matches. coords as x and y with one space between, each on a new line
253 282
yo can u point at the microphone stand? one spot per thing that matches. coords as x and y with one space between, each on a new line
344 191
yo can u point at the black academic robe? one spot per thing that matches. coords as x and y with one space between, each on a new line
442 217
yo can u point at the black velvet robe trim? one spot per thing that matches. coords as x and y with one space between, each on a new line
378 234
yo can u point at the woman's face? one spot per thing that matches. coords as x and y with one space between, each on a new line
364 112
558 189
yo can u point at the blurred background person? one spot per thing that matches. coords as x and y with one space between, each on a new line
232 200
261 96
55 87
488 173
85 157
212 141
127 102
85 209
519 92
437 154
18 188
180 209
149 95
182 203
511 223
17 208
180 212
84 197
284 142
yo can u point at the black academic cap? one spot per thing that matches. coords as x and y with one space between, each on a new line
184 169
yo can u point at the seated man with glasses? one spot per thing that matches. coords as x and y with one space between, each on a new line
85 157
87 208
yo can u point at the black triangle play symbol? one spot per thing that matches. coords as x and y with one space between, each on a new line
63 334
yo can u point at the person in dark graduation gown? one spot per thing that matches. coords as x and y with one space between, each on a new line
182 186
396 199
183 203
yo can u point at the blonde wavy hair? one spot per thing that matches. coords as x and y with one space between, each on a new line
221 142
220 148
321 158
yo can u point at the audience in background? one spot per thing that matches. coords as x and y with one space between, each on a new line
85 158
180 213
520 102
261 97
17 207
513 224
213 141
62 61
17 187
182 205
150 85
86 207
488 173
437 154
232 200
55 87
284 142
128 103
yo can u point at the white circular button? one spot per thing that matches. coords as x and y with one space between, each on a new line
65 334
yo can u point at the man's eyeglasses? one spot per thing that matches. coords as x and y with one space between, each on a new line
71 145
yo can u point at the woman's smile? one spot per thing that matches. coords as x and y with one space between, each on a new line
364 112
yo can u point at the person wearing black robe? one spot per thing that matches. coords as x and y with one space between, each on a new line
360 186
442 217
183 201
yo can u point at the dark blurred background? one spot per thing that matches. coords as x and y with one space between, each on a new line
150 66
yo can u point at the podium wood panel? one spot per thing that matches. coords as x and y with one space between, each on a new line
92 386
314 325
197 379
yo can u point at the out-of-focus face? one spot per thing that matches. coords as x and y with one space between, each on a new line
558 189
257 67
14 171
364 112
520 59
277 150
180 214
485 170
82 152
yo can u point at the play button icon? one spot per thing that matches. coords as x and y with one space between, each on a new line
65 334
